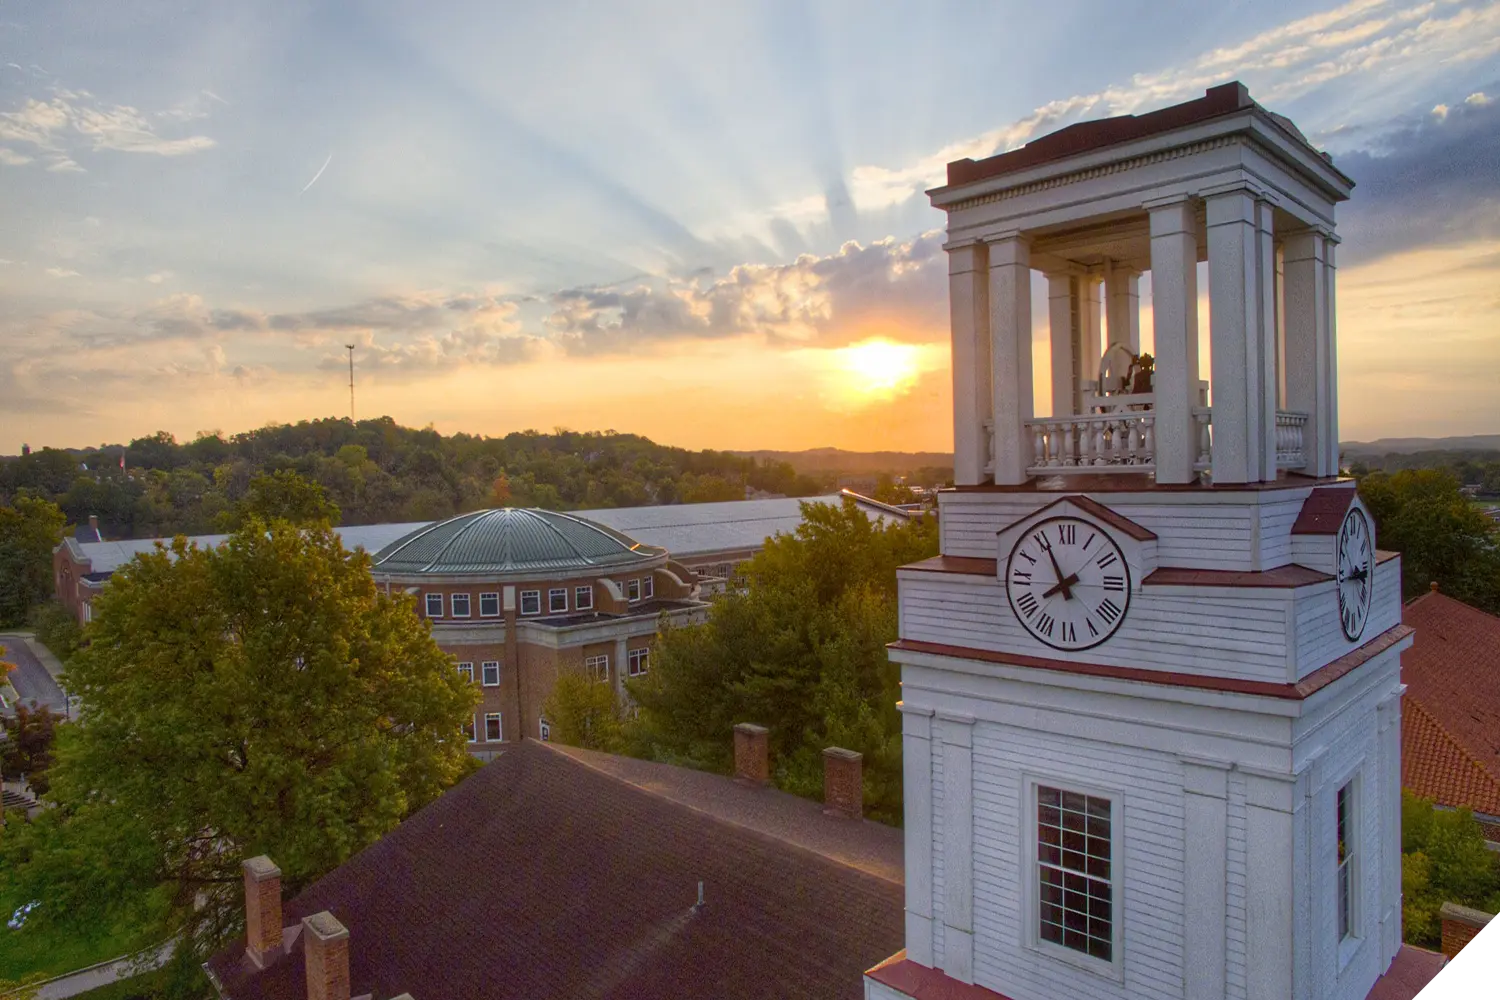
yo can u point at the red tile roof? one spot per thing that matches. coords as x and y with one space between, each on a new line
542 877
1410 972
1450 731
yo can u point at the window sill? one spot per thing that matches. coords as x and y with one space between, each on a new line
1113 971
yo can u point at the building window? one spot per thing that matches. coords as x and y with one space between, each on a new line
557 600
467 669
1075 889
596 667
492 727
471 729
637 659
544 730
489 605
1347 837
434 605
583 598
490 672
460 605
633 589
648 587
531 602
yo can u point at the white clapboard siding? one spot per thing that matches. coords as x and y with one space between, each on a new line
1276 520
1246 630
1150 787
1320 636
1235 896
1315 552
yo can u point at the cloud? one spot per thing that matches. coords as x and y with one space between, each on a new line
11 158
158 277
72 119
58 272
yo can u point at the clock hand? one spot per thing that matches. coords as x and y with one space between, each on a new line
1063 584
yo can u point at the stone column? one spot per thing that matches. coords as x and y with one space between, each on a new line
1010 348
973 401
1205 875
957 959
1308 342
1330 417
1087 349
916 775
1122 292
1239 259
1061 322
1174 314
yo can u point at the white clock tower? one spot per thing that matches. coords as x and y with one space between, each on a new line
1151 687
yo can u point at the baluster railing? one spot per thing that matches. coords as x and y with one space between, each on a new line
1289 432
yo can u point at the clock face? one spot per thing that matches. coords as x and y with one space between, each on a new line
1356 554
1068 583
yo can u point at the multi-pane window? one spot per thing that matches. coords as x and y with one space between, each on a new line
633 589
467 669
596 667
648 586
557 600
460 603
490 673
489 605
583 598
531 602
637 659
1346 854
1075 890
434 605
471 729
492 727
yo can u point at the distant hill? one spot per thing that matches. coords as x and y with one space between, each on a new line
855 463
1407 446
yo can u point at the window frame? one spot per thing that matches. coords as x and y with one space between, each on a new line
499 736
1347 870
440 602
583 597
633 590
494 596
484 669
535 595
472 729
592 662
648 587
552 594
466 667
453 600
1114 968
635 657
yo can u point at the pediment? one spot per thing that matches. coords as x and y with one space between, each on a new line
1136 541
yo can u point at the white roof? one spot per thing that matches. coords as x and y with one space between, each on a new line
106 557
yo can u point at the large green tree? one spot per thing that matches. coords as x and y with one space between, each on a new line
283 496
260 698
1442 537
801 651
30 529
1444 860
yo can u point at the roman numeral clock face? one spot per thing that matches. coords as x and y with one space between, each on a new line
1356 551
1068 583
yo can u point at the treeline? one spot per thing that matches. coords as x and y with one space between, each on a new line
378 471
1469 467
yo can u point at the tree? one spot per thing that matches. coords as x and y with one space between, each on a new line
27 750
584 712
1441 536
801 651
263 697
1443 859
284 496
29 530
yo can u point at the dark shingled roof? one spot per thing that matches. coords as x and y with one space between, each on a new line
543 877
511 540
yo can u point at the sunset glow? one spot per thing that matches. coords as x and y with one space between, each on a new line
881 367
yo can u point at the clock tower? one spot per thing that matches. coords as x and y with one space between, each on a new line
1151 687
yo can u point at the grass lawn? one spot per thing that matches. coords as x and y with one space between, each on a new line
34 951
142 987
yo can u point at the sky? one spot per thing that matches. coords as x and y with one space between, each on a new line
704 223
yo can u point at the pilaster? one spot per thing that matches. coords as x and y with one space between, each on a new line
1010 346
1205 878
916 774
1174 312
957 734
973 402
1269 804
1388 726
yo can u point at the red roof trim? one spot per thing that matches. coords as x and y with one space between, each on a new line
921 983
1305 688
964 565
1282 576
1095 509
1323 511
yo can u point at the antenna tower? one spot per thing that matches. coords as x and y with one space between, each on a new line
350 349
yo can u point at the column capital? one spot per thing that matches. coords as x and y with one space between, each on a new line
1174 215
1010 249
1168 201
965 258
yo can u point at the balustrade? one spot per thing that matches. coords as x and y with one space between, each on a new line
1289 427
1099 442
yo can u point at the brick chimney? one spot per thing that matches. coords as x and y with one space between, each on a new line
325 947
1460 925
262 910
843 783
752 753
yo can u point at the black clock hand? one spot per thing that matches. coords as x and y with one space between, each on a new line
1063 583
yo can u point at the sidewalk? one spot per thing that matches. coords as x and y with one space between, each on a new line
95 976
42 653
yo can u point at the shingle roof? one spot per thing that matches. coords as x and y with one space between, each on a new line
543 877
1450 732
512 540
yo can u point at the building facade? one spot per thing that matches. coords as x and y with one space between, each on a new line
518 597
1151 687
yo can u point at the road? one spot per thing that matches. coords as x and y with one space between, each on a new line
30 679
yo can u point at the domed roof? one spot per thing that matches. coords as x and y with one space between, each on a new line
511 540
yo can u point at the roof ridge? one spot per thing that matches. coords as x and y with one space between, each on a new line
472 516
537 513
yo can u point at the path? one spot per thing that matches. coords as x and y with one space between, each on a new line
31 679
102 974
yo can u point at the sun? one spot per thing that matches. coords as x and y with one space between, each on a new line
880 367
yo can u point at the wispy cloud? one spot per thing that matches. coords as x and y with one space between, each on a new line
60 272
11 158
74 119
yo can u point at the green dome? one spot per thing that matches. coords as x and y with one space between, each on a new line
511 541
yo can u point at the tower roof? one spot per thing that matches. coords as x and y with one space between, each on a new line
511 540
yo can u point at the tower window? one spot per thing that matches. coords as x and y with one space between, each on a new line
1344 820
1075 887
